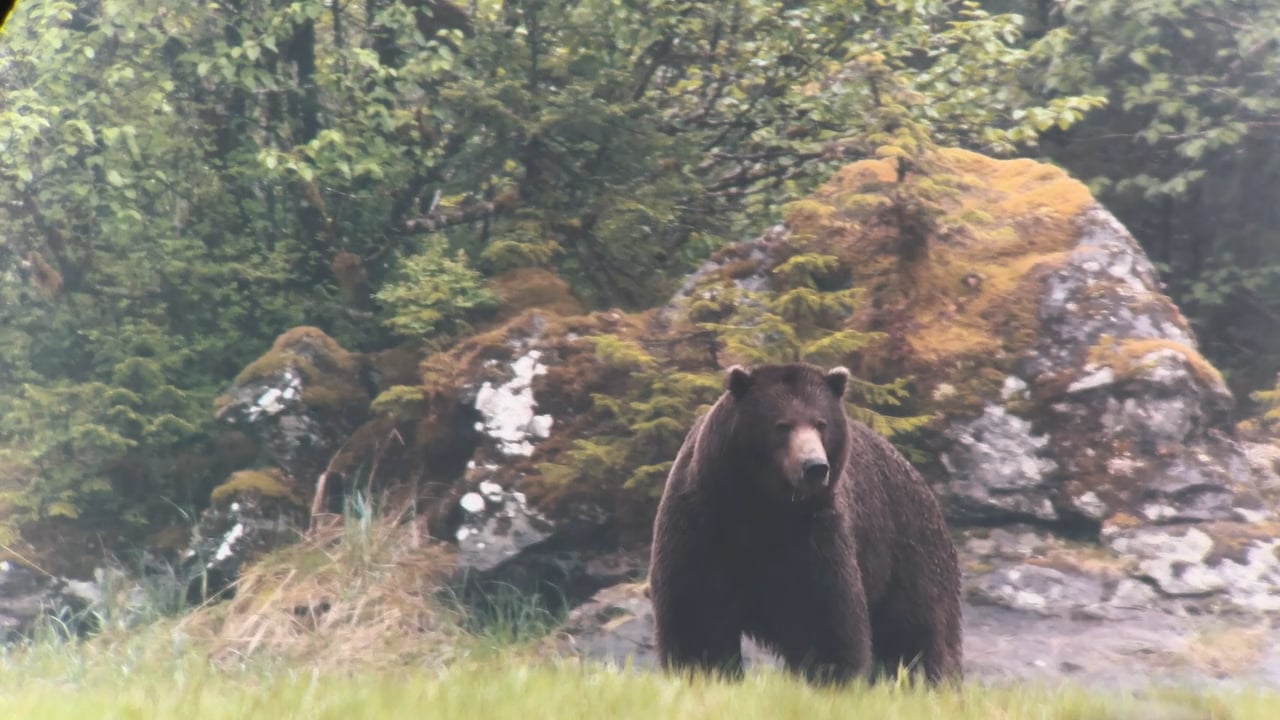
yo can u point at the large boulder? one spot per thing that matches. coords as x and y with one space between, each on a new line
1081 442
1068 388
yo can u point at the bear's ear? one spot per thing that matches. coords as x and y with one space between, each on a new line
737 379
837 379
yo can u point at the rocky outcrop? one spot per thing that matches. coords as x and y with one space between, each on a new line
527 386
1109 513
1037 608
300 400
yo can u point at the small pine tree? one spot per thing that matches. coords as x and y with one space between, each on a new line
798 321
639 430
435 293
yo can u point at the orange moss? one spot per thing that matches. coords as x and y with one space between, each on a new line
1092 560
1122 521
396 366
330 374
993 229
1129 357
1233 541
266 483
740 269
529 288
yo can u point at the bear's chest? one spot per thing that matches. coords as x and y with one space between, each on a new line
776 550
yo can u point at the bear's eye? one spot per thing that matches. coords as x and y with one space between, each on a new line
821 425
782 427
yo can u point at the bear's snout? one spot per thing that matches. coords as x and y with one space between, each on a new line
816 472
807 468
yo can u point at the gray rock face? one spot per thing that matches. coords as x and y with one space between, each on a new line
997 463
497 525
1038 589
1140 422
1232 566
1023 621
1106 408
503 538
494 522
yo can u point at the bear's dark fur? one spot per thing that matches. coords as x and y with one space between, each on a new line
785 520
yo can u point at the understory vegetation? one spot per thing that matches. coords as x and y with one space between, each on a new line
185 182
359 620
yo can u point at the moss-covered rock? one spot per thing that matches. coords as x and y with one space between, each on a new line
1068 389
264 485
303 398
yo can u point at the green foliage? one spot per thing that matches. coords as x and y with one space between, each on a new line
628 137
434 293
400 400
63 442
163 678
1184 153
186 180
638 431
1270 402
797 321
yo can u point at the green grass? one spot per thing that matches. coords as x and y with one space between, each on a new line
138 680
349 624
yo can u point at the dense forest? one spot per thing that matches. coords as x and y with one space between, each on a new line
184 181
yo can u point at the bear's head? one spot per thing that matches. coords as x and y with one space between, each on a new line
790 426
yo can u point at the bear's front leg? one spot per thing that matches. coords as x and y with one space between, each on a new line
816 615
833 642
693 633
698 626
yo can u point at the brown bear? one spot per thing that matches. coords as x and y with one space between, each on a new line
785 520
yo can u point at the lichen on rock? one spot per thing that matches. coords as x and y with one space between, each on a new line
997 462
1236 562
508 410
